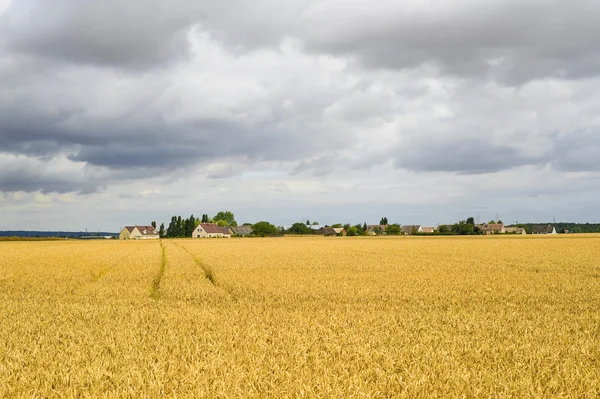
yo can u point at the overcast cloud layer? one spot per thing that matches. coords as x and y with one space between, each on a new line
119 112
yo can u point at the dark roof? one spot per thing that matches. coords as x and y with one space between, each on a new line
328 231
542 229
213 228
144 230
408 229
241 230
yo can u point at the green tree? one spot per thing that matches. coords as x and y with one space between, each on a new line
336 225
315 223
299 228
222 223
204 218
393 229
443 229
307 222
471 221
263 229
352 231
227 216
383 221
463 228
154 224
161 231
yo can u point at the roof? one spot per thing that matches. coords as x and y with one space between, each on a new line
428 229
338 229
491 226
409 229
213 228
542 229
328 231
382 227
241 230
144 230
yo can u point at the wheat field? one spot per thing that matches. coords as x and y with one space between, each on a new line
302 317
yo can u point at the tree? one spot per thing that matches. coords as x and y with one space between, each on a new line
299 228
227 216
383 221
443 229
264 229
365 227
161 231
204 218
154 224
315 223
336 225
500 221
222 223
463 228
471 221
352 231
307 222
393 229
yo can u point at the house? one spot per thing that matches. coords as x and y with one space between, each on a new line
211 230
492 228
375 229
327 232
429 230
543 229
408 230
139 233
515 230
340 231
241 231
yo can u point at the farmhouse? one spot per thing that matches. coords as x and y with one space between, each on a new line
211 230
139 233
428 229
241 231
375 229
327 232
492 228
411 229
515 230
340 231
543 229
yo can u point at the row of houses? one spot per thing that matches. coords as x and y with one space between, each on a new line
499 228
203 230
212 230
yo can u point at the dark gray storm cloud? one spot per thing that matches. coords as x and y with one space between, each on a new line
29 180
463 156
133 34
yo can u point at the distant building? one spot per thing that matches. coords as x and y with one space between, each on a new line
515 230
211 230
241 231
328 232
543 229
492 228
376 229
139 233
340 231
408 229
428 229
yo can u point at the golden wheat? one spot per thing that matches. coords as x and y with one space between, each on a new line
302 317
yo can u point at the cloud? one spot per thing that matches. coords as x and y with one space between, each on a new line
463 156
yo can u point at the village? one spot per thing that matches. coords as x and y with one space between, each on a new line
217 230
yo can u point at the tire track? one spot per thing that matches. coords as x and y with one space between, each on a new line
209 273
155 290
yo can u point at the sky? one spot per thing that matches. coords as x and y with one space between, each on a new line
117 112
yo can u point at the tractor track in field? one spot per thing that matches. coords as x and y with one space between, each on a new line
208 272
155 290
